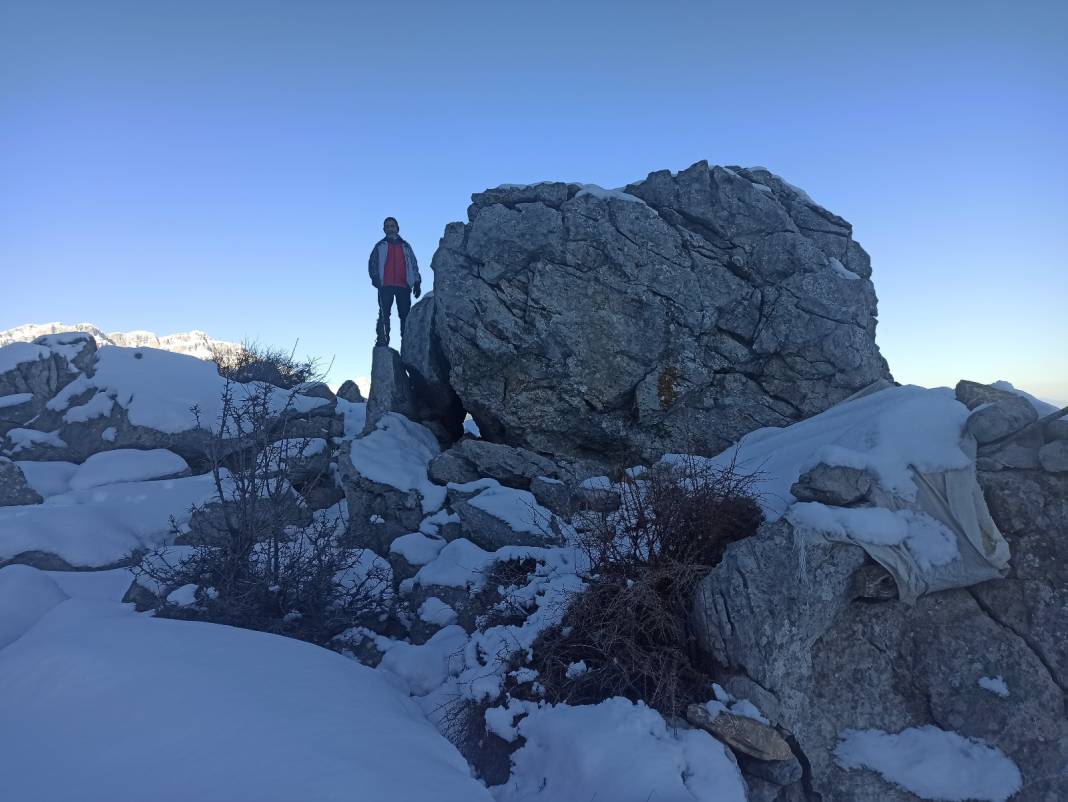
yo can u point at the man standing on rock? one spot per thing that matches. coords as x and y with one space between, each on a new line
395 274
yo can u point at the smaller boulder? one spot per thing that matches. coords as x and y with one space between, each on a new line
437 404
836 485
975 394
552 494
1057 430
473 458
1000 419
1014 456
596 495
350 391
450 466
745 735
504 516
1053 457
14 489
317 390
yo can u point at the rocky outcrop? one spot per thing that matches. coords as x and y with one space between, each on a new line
32 373
812 632
779 614
75 401
675 316
390 391
1031 509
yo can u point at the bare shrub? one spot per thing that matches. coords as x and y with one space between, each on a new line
629 628
258 556
254 362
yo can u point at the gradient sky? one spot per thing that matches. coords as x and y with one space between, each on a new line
226 165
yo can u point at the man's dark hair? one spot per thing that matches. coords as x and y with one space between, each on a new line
394 219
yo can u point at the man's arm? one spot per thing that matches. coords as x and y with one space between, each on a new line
372 266
417 284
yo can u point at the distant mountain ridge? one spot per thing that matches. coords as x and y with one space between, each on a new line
194 343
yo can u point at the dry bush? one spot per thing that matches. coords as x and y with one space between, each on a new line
630 626
259 557
255 362
306 583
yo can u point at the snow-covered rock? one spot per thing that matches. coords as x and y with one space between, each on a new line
141 398
384 474
780 611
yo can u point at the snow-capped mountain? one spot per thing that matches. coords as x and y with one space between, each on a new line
194 343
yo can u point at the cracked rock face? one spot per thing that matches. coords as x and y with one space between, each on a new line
781 615
676 316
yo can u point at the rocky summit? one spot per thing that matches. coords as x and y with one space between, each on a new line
674 315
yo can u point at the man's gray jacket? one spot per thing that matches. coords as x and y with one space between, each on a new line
376 265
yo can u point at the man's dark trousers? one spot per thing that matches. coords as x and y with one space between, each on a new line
386 296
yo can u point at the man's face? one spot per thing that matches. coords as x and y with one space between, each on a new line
391 228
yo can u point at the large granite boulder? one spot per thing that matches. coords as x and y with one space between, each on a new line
675 316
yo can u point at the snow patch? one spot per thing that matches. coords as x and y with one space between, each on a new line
435 611
932 763
15 354
417 548
996 685
928 540
885 432
842 271
25 439
588 752
15 399
126 465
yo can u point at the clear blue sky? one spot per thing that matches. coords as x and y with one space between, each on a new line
227 165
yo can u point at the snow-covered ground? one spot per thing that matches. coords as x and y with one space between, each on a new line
101 525
101 703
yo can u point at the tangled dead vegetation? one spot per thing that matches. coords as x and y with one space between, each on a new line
627 634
